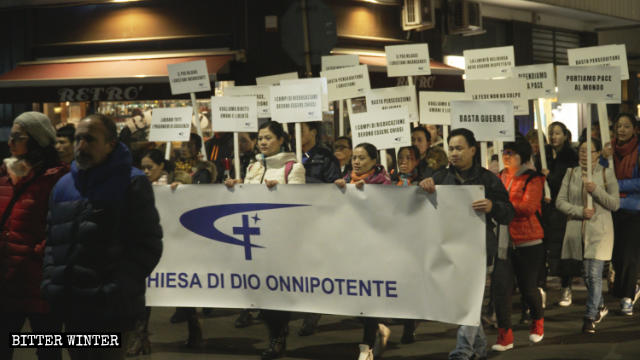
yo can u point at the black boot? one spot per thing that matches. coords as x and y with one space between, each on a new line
409 332
277 347
309 325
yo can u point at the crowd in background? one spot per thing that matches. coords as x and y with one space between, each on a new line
538 220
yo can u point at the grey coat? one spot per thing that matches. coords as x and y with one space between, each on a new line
595 234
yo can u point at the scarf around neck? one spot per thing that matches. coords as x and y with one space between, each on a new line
355 177
625 158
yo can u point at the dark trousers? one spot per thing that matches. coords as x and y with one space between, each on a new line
524 264
370 330
277 322
40 323
88 325
626 252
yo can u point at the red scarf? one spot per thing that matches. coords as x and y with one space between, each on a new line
625 157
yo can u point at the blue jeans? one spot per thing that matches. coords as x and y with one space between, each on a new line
593 279
470 340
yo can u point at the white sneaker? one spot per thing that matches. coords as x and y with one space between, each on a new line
565 297
543 296
381 339
535 338
365 352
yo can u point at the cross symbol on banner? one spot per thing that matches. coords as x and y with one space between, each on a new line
246 231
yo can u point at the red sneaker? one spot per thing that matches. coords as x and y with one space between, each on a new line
505 340
537 331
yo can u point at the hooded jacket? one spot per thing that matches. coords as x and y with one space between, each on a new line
104 239
525 193
273 168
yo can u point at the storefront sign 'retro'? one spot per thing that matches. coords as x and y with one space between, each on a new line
111 93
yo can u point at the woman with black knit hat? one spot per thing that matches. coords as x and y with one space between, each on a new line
26 179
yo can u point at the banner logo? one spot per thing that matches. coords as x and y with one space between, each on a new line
202 221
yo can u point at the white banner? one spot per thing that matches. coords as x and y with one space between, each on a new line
312 82
386 129
316 248
234 114
435 106
589 84
334 62
499 90
274 80
261 92
540 80
295 103
489 121
393 98
189 77
347 83
606 55
488 63
171 124
407 60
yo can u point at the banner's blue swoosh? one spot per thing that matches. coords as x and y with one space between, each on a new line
202 220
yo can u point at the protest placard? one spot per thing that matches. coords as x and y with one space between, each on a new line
407 60
392 98
316 82
271 80
589 84
189 77
488 63
435 106
540 80
385 129
347 83
295 103
489 120
334 62
606 55
234 113
261 92
171 124
499 90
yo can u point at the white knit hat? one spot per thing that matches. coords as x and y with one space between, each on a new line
38 126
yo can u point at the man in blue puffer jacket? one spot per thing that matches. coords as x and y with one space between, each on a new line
104 237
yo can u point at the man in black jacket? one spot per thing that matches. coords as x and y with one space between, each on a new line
104 239
320 165
465 169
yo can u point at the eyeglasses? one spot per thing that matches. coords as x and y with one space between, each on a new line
508 152
17 137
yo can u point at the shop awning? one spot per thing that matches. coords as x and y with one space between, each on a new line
104 71
379 64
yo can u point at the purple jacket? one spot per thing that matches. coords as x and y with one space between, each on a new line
379 176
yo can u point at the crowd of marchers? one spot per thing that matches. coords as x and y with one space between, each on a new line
80 231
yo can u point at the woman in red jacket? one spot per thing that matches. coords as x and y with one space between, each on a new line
521 252
26 179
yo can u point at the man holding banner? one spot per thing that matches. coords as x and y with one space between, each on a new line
466 170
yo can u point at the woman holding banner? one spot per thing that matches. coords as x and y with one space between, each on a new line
589 235
465 169
521 252
626 221
560 157
274 165
366 170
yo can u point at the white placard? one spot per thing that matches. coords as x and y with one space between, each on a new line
488 63
407 60
589 84
392 98
318 82
234 114
606 55
261 92
295 103
347 83
499 90
540 80
272 80
435 106
385 129
489 120
189 77
242 249
171 124
334 62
